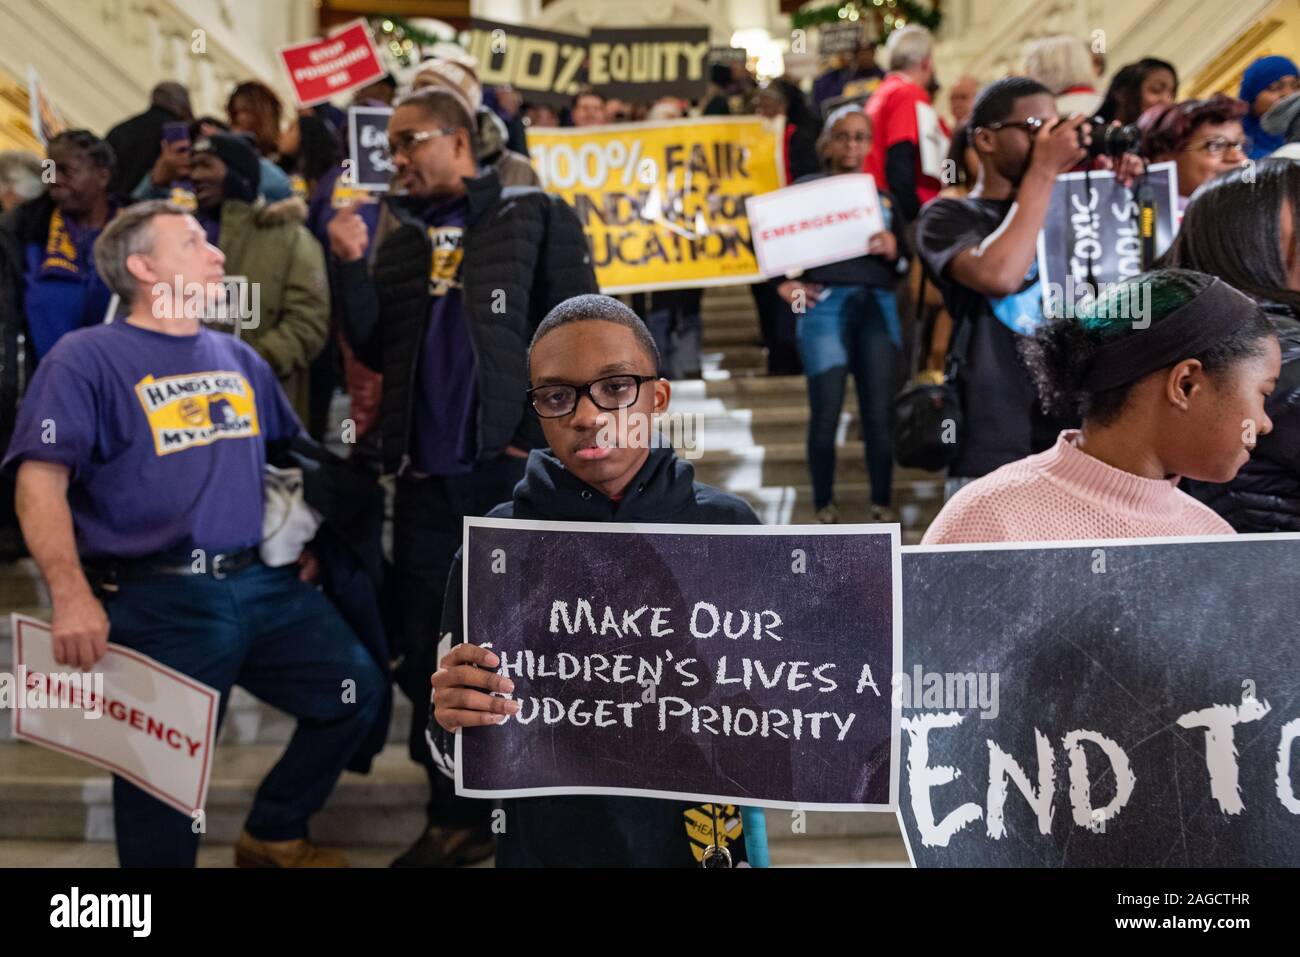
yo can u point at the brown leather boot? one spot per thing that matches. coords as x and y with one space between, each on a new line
449 847
250 852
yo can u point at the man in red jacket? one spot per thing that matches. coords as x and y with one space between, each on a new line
895 157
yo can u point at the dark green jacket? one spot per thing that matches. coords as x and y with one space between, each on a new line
269 245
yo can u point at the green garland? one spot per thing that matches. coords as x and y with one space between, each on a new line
404 28
402 32
911 11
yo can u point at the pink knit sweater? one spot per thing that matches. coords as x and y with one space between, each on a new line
1065 493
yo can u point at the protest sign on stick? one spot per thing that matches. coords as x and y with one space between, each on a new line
46 119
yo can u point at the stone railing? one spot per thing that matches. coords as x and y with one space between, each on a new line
986 38
98 59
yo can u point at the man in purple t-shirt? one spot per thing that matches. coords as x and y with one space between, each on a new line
139 452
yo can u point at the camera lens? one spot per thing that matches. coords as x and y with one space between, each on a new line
1113 141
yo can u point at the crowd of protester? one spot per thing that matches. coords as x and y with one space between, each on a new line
459 313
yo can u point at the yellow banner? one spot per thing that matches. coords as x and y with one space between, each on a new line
663 204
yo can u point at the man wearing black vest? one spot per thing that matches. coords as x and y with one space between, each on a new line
462 272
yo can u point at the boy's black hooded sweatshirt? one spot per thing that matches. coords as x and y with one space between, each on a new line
597 830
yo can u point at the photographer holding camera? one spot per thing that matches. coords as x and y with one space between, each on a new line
982 253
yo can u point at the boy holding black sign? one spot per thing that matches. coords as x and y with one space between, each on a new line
592 365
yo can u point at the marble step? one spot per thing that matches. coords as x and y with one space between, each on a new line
21 586
250 721
726 337
738 316
723 295
39 610
46 796
750 359
740 393
730 318
723 428
49 796
916 504
786 463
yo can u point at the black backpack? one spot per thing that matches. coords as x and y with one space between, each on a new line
927 415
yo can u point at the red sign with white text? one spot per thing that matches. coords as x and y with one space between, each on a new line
320 69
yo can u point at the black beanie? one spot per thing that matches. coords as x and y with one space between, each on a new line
243 174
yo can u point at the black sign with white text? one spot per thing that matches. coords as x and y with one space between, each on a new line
1102 705
693 662
372 165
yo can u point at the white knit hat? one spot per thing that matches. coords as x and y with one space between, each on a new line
456 76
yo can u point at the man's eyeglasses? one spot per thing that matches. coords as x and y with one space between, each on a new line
408 140
610 393
1218 145
1030 126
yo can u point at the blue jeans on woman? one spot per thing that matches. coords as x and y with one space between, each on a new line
853 329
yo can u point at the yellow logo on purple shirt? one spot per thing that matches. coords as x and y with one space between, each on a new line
188 411
444 270
184 198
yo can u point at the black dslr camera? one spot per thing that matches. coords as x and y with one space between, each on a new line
1107 140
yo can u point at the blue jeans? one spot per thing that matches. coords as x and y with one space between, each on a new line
854 329
283 641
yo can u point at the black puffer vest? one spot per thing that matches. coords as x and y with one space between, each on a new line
524 252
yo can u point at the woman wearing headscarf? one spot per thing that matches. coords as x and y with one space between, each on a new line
1265 82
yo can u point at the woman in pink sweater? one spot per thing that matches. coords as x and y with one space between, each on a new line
1169 372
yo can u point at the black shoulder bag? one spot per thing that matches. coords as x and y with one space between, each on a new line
927 416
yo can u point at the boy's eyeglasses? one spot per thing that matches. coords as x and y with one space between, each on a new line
610 393
1030 126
